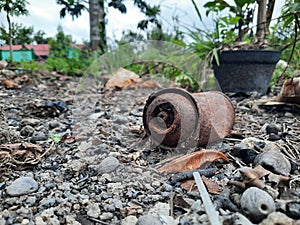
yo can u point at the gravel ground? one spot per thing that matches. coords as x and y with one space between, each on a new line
84 160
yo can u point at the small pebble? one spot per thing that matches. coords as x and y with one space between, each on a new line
119 119
27 131
272 129
94 210
108 165
273 137
106 216
129 220
293 210
277 218
22 186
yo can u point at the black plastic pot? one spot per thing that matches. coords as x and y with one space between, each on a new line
245 70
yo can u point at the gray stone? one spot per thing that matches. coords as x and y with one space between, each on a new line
8 73
106 216
48 203
94 210
277 218
53 124
40 136
30 121
3 64
155 220
22 186
129 220
119 119
27 131
2 220
108 165
160 209
31 200
293 210
275 161
117 203
167 187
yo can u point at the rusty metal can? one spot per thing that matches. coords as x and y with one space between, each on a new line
175 118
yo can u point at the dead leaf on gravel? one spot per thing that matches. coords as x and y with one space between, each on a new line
21 154
10 84
193 161
211 186
253 177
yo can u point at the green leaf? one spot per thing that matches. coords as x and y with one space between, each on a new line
56 137
234 19
216 56
197 10
288 21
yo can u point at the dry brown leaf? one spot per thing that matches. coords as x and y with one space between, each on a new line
10 84
189 185
21 153
193 161
278 179
211 187
252 176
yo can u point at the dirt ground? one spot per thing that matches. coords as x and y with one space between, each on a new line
69 156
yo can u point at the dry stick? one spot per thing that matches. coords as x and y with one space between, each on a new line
186 175
208 205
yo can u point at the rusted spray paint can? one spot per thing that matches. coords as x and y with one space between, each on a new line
174 118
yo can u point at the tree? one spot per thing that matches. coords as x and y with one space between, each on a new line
22 35
96 11
13 8
39 37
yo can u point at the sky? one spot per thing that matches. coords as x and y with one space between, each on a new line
44 15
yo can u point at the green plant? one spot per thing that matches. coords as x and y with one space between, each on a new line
65 59
33 66
286 39
56 137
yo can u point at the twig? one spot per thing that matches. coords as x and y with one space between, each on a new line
208 205
186 175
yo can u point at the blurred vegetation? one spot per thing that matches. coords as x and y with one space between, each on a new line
185 64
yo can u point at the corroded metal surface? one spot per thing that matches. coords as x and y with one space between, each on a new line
173 117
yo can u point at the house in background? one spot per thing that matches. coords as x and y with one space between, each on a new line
25 52
34 52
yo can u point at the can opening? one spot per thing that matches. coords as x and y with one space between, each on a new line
165 114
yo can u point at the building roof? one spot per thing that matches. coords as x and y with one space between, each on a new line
39 49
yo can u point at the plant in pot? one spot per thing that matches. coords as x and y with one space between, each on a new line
245 62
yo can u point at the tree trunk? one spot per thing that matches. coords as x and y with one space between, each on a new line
261 21
270 9
97 25
10 37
